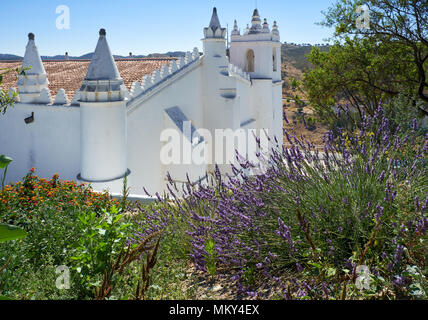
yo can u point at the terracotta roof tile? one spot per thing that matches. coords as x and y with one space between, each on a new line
69 75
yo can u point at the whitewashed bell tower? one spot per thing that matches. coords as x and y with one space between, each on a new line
258 52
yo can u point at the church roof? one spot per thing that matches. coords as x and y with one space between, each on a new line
69 74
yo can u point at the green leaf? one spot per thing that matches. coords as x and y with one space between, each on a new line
8 233
4 161
331 272
316 265
3 298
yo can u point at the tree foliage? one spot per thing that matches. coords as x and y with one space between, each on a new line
393 22
7 99
365 66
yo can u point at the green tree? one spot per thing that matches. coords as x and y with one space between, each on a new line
402 23
358 72
365 66
6 99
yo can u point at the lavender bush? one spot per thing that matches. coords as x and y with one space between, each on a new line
318 215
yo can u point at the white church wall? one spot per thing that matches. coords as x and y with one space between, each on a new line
145 124
262 103
51 143
180 171
245 108
221 103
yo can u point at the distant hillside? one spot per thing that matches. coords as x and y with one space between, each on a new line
89 56
296 54
9 57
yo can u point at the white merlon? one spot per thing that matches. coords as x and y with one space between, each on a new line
124 92
76 98
180 63
164 71
45 97
173 67
156 78
136 89
61 98
195 55
188 58
147 82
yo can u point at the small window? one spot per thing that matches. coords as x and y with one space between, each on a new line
249 66
275 61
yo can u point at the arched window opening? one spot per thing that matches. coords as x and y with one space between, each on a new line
249 66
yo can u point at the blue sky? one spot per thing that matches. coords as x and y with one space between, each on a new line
143 26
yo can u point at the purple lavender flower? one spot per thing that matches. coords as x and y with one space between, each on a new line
285 117
417 206
285 233
415 124
379 213
381 176
398 254
399 281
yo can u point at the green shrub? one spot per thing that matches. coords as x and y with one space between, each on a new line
101 240
49 211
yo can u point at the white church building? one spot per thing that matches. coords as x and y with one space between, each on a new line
109 130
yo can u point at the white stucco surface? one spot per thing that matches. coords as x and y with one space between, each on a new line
51 144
